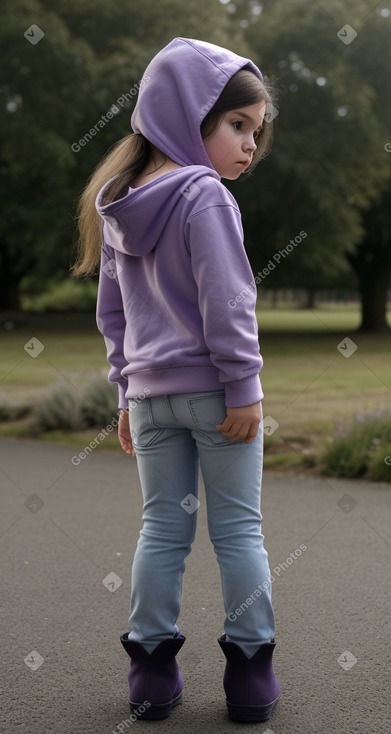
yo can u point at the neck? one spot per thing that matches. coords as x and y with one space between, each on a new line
159 161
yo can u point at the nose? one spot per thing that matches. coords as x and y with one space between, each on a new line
249 144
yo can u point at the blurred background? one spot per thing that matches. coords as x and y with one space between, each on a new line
316 215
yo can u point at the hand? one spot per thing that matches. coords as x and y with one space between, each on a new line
124 435
241 424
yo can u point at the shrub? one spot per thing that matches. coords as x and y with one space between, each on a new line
380 464
345 457
360 449
10 411
65 296
58 408
101 401
66 408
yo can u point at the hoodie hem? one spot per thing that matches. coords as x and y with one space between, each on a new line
192 379
173 380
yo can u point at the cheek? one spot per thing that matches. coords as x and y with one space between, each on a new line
227 142
216 149
222 144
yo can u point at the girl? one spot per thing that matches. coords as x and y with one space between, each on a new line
176 307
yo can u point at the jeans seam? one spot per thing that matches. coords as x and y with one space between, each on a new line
169 408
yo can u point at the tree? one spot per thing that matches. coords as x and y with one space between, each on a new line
327 171
43 93
371 260
328 165
54 89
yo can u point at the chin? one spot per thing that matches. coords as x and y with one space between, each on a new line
231 176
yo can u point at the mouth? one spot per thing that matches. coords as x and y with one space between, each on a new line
244 163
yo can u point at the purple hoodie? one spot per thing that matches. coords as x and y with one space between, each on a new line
176 299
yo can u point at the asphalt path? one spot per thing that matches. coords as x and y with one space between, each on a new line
68 532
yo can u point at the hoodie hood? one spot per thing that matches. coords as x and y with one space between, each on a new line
179 87
135 223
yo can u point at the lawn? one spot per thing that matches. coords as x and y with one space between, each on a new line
309 383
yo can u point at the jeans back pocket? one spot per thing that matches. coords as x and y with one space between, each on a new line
208 410
143 430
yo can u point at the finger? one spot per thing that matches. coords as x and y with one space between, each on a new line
252 433
224 429
237 432
225 426
126 442
125 445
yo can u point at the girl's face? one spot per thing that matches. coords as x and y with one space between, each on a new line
231 146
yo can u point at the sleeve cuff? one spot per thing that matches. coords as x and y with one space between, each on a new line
243 392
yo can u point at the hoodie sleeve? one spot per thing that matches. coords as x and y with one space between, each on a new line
111 322
227 296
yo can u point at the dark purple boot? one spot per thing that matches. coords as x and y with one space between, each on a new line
155 681
250 684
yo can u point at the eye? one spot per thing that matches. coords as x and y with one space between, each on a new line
239 122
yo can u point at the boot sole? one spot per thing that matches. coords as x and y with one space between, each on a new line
251 713
156 711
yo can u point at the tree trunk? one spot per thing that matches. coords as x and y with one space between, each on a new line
9 297
310 301
373 302
373 274
9 283
372 264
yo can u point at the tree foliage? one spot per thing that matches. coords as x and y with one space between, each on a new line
53 92
328 163
329 170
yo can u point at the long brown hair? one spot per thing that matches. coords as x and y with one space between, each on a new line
130 155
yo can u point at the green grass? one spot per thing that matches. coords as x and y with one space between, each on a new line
308 383
319 320
66 355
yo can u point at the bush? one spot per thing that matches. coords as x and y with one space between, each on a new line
101 401
380 464
361 449
87 405
10 411
58 408
64 296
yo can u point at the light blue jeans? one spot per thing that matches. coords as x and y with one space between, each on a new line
171 435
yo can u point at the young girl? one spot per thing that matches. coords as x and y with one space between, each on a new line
176 307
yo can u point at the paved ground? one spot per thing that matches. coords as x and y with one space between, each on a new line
65 528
